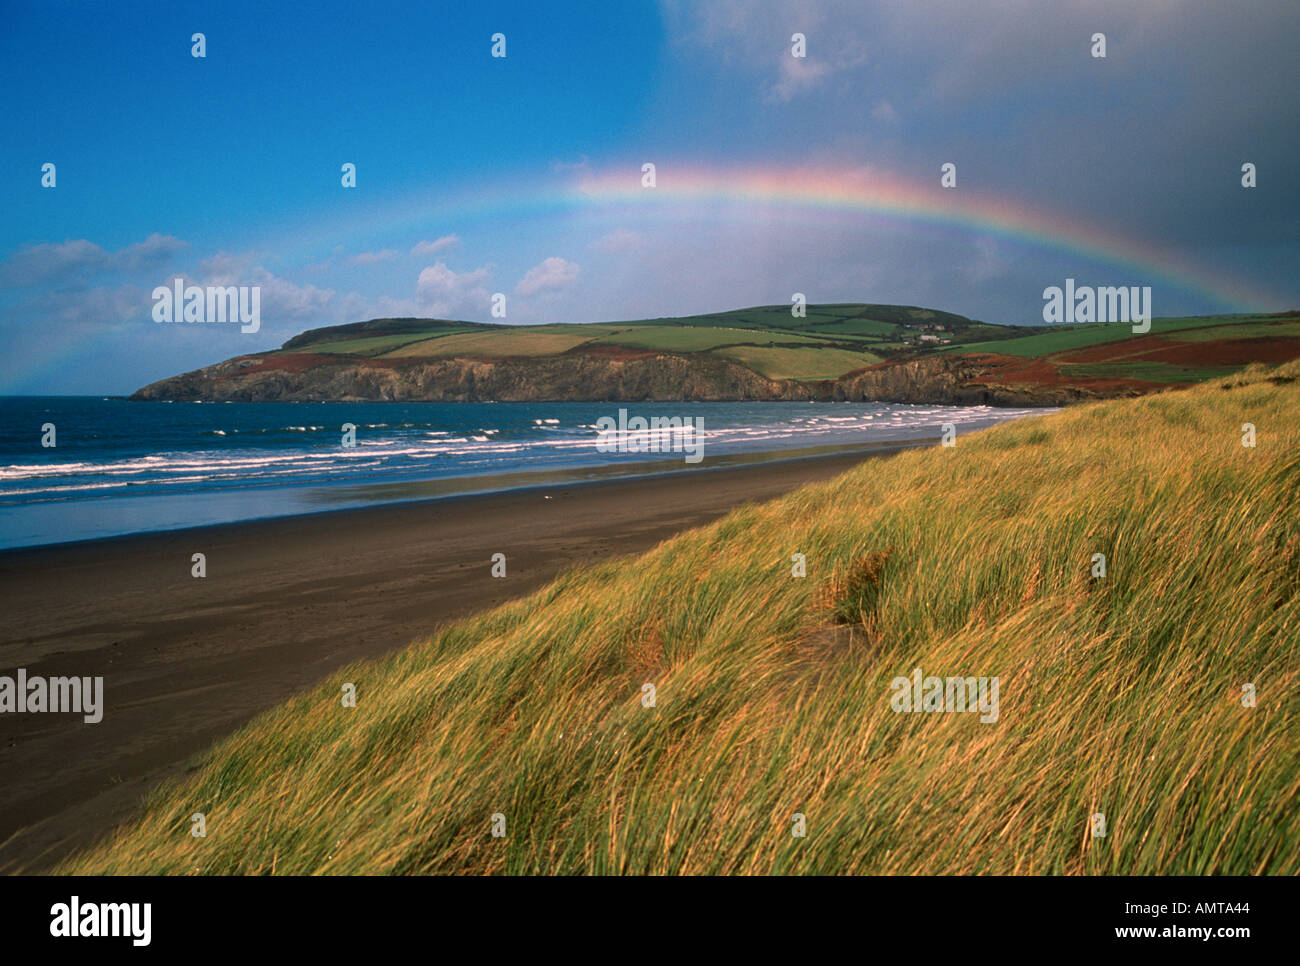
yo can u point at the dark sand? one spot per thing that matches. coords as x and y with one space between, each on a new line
285 602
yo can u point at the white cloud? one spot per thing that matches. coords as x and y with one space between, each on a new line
284 300
73 261
226 268
425 248
552 274
154 250
438 279
446 293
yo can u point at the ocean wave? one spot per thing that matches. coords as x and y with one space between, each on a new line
308 451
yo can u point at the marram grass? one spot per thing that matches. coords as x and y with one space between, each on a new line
1120 695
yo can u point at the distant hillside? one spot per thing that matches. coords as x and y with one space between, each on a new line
893 353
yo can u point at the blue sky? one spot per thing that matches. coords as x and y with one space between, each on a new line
225 170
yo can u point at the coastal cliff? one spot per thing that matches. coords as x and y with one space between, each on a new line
842 352
652 377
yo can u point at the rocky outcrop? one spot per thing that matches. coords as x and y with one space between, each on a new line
569 377
954 380
587 376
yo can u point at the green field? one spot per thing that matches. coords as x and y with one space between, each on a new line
870 327
1120 695
1285 328
376 328
373 346
802 364
830 341
699 338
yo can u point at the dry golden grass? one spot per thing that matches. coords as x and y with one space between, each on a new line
1119 695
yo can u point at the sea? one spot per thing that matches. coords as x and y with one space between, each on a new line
118 466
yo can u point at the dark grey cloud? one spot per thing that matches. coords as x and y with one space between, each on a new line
1149 141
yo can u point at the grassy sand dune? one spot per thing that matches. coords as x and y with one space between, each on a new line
1119 695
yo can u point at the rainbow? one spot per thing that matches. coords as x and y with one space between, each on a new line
693 191
873 194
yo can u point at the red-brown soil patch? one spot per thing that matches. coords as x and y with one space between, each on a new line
1126 349
290 362
1270 349
1006 370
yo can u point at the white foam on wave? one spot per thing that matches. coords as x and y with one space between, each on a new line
413 447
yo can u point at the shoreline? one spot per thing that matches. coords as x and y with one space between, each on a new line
286 601
348 496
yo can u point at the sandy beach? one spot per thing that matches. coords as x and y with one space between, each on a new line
285 602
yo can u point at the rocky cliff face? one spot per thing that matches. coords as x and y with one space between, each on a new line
652 376
625 377
948 380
